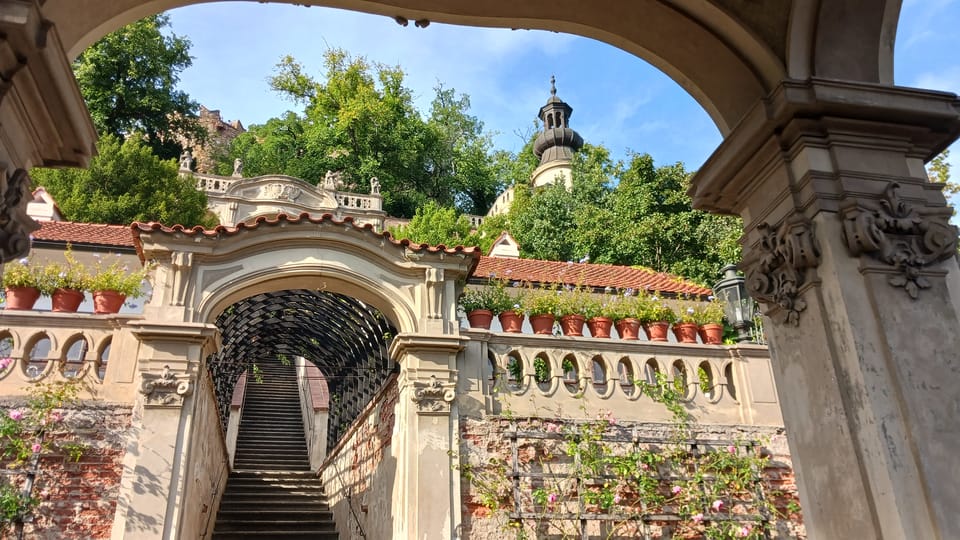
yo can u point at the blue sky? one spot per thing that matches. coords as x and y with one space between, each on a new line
618 99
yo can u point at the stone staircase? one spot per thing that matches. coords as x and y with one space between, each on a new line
271 492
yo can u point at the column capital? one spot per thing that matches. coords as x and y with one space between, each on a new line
823 115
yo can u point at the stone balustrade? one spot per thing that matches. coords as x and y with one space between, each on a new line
537 375
360 202
209 184
50 346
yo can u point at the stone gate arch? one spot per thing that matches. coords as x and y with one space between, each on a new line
199 273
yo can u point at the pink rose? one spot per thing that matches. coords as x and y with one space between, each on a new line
552 498
697 518
616 499
676 490
36 447
717 504
732 449
744 532
16 414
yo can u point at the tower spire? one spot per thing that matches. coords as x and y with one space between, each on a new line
553 85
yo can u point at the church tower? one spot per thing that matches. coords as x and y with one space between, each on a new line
557 143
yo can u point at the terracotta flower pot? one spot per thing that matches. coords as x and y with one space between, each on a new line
711 333
685 332
107 302
66 300
542 324
656 331
629 329
600 327
572 325
480 318
22 298
511 322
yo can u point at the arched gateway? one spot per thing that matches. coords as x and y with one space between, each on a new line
847 245
338 288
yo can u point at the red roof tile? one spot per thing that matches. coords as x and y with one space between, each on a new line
84 233
305 217
592 275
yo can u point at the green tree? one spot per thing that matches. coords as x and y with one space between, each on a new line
360 120
129 82
433 224
938 170
661 230
126 182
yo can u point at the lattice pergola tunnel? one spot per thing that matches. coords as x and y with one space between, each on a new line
344 337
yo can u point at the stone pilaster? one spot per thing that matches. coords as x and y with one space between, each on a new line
155 466
850 251
427 416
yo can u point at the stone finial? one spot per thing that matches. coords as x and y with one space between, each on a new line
553 85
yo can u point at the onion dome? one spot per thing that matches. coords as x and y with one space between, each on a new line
557 141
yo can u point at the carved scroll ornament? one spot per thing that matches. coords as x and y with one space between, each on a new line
15 225
433 397
777 267
897 234
165 389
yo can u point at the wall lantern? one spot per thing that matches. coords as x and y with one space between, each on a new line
737 304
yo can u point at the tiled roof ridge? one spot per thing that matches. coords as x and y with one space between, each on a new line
67 231
575 272
153 226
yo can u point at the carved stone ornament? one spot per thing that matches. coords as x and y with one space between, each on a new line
15 225
433 397
777 269
165 389
899 235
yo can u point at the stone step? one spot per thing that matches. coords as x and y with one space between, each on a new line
277 535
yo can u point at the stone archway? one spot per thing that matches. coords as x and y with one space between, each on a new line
311 262
847 244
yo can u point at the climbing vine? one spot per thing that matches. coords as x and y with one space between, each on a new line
25 436
600 478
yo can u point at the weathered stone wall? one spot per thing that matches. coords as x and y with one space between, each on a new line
486 441
208 467
79 498
219 136
360 473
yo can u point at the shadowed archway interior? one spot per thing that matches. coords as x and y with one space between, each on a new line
342 336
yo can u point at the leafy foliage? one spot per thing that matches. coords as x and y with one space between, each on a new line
126 182
128 80
434 224
360 120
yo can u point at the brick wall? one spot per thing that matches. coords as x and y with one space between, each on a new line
79 498
486 441
363 465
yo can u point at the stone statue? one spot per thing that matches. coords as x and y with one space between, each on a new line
186 160
333 180
237 168
374 186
